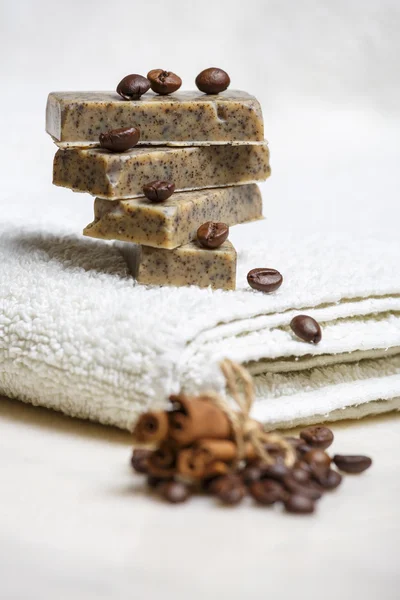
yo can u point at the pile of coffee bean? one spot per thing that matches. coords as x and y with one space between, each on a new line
298 488
210 81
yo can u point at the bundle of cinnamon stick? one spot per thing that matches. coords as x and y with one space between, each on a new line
194 440
200 443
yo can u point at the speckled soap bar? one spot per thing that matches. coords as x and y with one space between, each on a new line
123 175
78 118
174 222
189 265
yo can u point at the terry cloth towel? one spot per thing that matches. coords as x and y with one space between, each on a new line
77 334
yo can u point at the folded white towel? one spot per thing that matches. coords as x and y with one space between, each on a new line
78 335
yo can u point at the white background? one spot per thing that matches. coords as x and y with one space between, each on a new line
328 76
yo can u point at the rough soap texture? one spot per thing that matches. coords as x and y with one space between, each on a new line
119 176
78 118
174 222
189 265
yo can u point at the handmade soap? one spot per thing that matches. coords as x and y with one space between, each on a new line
123 175
174 222
78 118
189 265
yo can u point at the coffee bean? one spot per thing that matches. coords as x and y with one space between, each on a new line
317 436
319 462
154 482
275 450
352 464
159 191
230 489
212 235
278 471
264 280
294 441
300 475
175 491
267 491
299 504
318 459
232 495
222 481
119 140
250 474
212 81
303 448
210 484
133 86
301 464
163 82
276 453
139 460
330 480
306 328
309 489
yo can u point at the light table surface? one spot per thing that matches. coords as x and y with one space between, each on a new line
75 522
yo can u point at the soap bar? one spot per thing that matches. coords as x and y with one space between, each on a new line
78 118
174 222
189 265
123 175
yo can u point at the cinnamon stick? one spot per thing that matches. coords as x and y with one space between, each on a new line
216 468
193 463
162 462
196 461
195 418
151 427
224 450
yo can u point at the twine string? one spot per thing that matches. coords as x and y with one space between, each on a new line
240 386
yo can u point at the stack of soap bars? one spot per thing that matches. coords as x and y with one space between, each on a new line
161 166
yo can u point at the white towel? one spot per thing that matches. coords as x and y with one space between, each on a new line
78 335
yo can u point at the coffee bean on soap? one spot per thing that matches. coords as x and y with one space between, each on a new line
163 82
299 504
175 491
212 235
133 86
139 460
267 492
120 140
264 279
212 81
159 191
306 328
317 436
352 464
